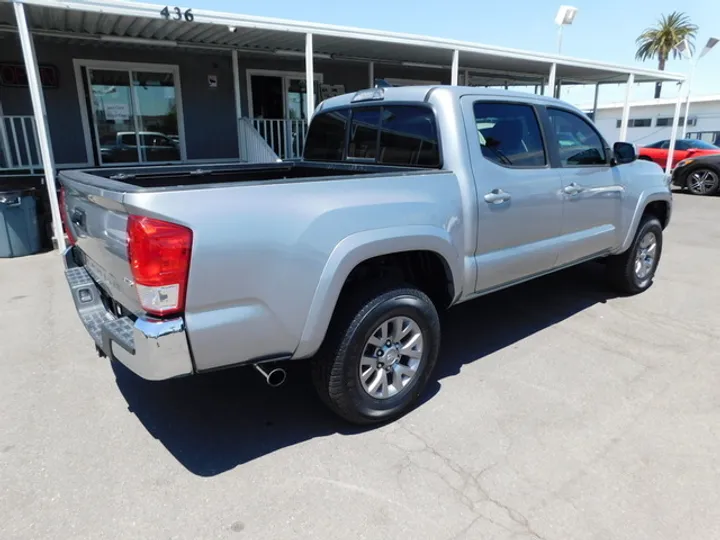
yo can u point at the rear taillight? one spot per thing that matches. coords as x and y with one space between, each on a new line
159 255
63 217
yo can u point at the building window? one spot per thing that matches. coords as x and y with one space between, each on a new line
636 122
667 122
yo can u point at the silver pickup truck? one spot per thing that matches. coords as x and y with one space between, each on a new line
407 201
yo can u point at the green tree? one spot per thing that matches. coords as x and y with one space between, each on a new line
661 40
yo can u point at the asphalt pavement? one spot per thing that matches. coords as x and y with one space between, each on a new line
560 412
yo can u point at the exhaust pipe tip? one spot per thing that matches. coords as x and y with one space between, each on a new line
276 377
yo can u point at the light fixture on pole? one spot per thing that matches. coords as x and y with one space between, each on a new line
684 49
565 16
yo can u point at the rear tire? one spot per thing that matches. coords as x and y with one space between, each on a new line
396 328
633 272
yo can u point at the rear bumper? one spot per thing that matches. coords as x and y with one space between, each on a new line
154 349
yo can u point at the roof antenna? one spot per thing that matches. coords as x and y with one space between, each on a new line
382 83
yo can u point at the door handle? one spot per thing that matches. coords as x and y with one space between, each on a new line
573 189
497 196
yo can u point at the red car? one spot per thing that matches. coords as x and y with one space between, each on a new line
684 148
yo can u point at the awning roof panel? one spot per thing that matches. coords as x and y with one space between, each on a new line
98 18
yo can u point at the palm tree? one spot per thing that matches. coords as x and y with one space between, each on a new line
661 40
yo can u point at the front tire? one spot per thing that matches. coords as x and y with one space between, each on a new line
379 354
633 272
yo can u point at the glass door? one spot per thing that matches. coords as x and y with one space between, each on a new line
296 102
279 110
113 115
157 120
296 112
135 117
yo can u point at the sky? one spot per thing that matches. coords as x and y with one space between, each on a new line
603 30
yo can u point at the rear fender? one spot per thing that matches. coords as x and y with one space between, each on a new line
360 247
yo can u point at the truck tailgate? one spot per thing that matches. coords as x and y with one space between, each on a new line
97 220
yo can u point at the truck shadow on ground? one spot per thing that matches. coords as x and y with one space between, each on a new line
215 422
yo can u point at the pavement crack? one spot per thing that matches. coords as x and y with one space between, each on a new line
464 486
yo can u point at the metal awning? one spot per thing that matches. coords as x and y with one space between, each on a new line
114 22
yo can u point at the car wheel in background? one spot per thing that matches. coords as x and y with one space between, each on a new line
703 181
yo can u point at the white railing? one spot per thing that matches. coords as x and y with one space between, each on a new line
19 144
285 137
253 148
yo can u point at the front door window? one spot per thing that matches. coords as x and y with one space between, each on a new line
134 115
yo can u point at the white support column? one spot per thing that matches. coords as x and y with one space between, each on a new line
673 134
551 80
687 99
595 101
238 103
309 76
626 108
371 74
41 123
455 68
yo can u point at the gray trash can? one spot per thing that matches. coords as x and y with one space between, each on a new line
19 233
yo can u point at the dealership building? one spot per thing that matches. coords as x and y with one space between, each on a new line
107 83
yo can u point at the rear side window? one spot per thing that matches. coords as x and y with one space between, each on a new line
403 135
326 138
509 134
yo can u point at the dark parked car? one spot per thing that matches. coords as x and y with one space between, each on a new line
122 147
700 175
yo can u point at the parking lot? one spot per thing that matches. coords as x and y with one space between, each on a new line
560 412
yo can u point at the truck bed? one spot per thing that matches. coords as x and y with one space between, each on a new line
221 197
179 176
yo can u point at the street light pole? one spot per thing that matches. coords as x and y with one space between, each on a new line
565 16
559 40
685 50
687 98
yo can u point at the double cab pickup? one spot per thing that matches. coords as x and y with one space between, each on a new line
406 202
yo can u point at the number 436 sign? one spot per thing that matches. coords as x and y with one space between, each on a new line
176 14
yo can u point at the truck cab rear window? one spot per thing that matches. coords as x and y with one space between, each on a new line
326 138
402 135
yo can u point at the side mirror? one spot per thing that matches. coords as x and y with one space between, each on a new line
624 152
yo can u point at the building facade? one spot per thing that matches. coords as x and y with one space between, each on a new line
113 82
651 120
96 95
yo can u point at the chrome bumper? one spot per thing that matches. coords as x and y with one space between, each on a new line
154 349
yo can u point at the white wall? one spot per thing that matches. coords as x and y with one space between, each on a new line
707 114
